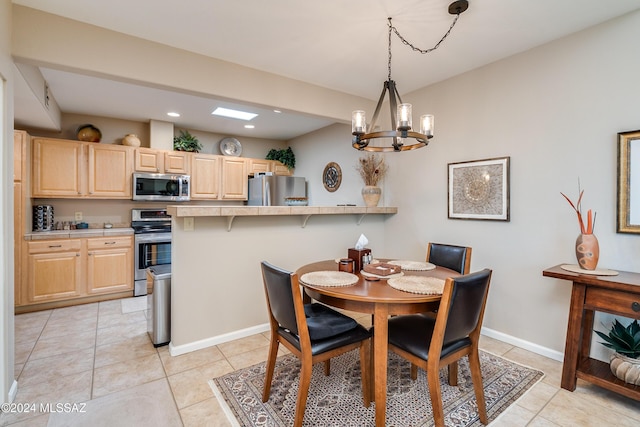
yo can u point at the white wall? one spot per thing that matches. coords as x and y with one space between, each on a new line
7 383
555 110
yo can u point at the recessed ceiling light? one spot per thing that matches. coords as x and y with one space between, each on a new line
249 126
277 111
234 114
173 114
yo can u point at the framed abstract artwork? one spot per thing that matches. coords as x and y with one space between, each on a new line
479 189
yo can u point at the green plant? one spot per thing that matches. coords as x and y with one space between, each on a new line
284 156
624 340
186 142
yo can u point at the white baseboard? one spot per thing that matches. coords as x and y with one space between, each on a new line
177 350
13 391
535 348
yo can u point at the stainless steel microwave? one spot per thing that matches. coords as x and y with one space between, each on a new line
161 187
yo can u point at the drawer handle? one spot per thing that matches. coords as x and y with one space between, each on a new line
635 306
109 243
55 246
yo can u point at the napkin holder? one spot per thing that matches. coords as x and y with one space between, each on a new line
356 255
382 269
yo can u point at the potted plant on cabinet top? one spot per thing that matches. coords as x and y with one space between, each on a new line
284 156
186 142
625 362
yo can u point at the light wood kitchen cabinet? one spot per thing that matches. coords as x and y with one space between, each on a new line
110 171
158 161
280 169
54 270
262 165
205 176
234 179
58 168
73 169
21 206
109 264
70 269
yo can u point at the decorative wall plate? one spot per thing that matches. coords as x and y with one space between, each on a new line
332 177
230 147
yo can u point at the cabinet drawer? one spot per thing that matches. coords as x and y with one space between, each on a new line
621 303
47 246
109 242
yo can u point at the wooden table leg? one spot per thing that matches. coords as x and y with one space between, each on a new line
574 337
380 346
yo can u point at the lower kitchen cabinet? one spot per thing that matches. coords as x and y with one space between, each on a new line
109 264
54 270
73 269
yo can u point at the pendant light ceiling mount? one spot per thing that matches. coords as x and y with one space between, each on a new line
400 112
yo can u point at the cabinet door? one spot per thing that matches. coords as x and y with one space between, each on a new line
20 141
110 170
148 160
259 165
54 270
176 162
205 176
57 168
280 169
109 265
18 231
234 179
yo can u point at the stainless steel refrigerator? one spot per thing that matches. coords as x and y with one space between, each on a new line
272 190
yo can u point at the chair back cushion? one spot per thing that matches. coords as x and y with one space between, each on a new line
277 284
467 304
448 256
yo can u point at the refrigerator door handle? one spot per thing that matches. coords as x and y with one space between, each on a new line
267 194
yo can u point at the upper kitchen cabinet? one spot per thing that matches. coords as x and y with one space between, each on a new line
262 165
158 161
205 176
235 185
74 169
110 171
58 168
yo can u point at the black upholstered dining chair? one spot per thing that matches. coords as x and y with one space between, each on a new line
312 332
432 342
457 258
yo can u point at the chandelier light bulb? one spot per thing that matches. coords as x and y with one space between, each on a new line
358 122
403 117
426 125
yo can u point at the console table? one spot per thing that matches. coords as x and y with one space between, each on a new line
618 295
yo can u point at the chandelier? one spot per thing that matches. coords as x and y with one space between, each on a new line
400 112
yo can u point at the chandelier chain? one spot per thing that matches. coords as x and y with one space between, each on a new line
414 48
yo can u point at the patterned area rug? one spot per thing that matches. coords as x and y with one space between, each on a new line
336 400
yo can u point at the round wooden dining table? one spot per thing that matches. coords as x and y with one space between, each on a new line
375 297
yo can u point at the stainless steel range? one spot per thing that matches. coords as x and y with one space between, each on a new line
152 240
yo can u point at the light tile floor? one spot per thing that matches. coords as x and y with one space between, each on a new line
100 358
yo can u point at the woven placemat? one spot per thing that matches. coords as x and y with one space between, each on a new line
413 265
575 268
418 285
329 278
378 276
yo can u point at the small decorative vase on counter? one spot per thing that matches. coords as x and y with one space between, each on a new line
587 251
371 195
625 368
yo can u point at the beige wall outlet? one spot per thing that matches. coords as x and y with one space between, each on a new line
189 223
78 216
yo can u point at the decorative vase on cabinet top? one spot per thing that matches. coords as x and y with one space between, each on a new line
587 251
131 140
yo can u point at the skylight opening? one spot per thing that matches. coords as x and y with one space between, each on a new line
234 114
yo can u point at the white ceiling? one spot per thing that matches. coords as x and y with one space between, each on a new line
336 44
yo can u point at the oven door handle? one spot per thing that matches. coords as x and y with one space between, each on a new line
152 237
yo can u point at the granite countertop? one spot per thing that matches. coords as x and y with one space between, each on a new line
70 234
